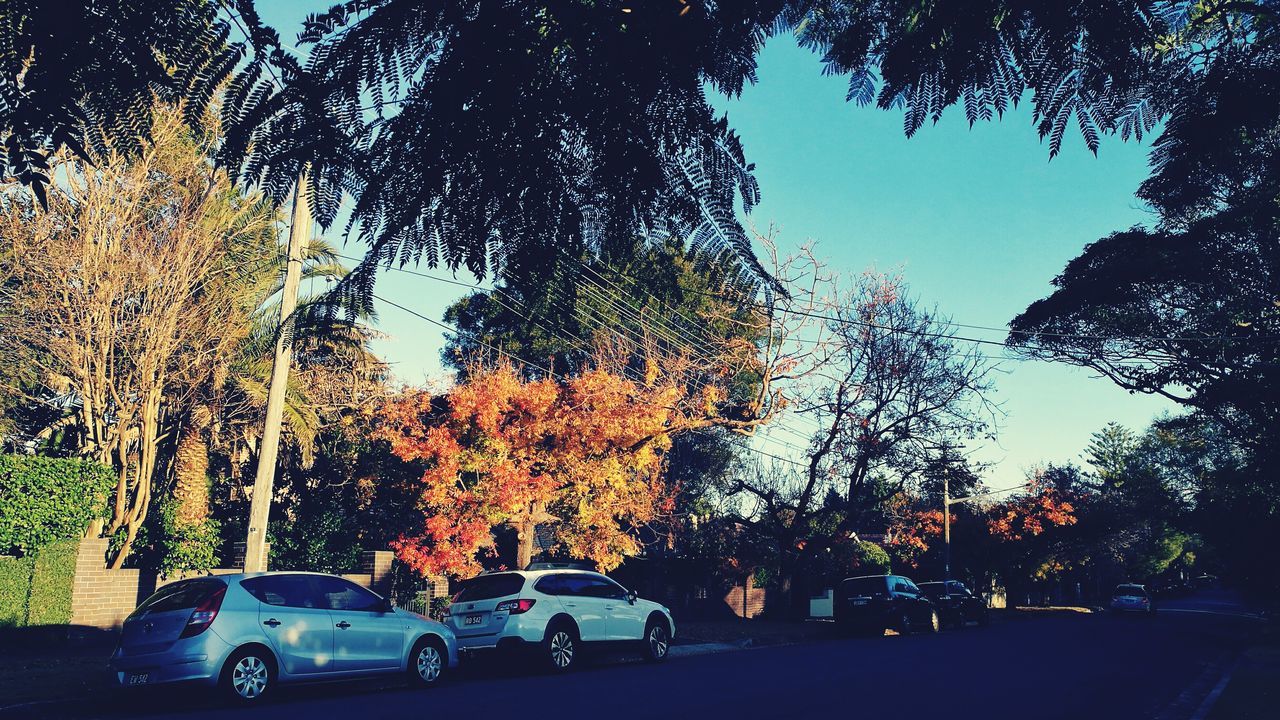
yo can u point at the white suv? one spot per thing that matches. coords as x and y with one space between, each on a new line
555 612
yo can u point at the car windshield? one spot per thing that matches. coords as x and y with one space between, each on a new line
487 587
1130 590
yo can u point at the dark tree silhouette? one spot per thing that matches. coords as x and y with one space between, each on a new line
85 74
498 134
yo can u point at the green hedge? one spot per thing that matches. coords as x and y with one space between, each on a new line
15 587
36 589
47 499
51 579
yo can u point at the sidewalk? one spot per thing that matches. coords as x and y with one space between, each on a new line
40 664
1252 688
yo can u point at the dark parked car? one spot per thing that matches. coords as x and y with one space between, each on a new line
873 603
955 603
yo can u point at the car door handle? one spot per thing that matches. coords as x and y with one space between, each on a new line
343 625
271 622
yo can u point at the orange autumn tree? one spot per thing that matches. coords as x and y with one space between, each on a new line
583 457
1029 514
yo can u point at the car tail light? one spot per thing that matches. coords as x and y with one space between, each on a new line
202 617
515 607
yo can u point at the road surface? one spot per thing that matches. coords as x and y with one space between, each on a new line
1038 665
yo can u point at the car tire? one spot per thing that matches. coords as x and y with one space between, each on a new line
248 675
657 641
935 622
984 619
561 648
428 662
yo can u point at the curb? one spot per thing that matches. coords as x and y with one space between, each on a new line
709 648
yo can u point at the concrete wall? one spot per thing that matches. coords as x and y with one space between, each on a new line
103 598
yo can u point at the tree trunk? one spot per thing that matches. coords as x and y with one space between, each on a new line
526 531
191 476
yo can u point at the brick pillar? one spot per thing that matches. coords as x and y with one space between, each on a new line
238 551
377 564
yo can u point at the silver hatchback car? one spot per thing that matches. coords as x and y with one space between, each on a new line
246 633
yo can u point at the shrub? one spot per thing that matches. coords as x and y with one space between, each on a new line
15 586
54 570
47 499
36 589
184 546
870 559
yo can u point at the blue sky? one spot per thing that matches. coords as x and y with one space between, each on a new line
977 220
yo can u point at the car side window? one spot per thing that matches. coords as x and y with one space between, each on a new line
340 594
552 585
285 591
595 587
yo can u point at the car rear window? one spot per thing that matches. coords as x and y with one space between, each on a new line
933 590
1131 590
864 586
182 595
486 587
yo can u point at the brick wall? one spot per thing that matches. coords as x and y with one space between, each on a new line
103 598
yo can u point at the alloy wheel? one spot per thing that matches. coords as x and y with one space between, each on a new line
249 677
429 663
658 642
561 649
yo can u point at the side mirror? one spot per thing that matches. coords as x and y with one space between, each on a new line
631 596
387 606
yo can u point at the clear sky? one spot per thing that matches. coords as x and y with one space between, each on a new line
977 220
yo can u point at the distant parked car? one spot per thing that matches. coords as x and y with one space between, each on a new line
246 633
956 604
1129 597
872 604
554 613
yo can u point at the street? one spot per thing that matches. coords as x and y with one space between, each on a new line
1042 665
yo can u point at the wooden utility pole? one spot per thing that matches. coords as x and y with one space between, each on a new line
255 559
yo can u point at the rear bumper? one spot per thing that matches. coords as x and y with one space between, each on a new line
197 660
514 631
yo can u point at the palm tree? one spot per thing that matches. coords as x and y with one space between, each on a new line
227 415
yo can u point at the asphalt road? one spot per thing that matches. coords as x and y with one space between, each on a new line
1050 665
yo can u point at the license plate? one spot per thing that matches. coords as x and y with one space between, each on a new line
858 601
137 679
472 620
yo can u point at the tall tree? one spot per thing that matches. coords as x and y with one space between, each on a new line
123 293
583 457
85 75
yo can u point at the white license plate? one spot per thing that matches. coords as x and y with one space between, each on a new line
137 678
472 620
858 601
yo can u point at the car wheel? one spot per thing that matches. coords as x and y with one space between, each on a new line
560 648
427 662
984 619
657 641
935 623
248 675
